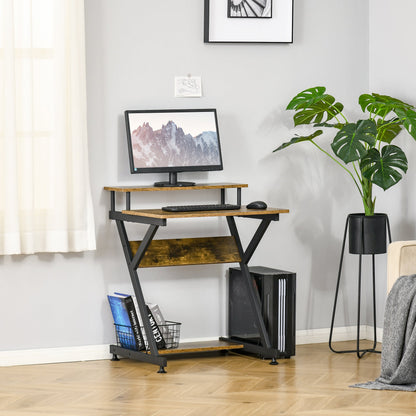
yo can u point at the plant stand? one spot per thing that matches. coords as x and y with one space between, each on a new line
367 236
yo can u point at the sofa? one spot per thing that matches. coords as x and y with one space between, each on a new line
401 261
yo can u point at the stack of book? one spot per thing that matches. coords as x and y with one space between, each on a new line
129 327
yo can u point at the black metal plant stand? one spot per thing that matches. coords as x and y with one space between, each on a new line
367 236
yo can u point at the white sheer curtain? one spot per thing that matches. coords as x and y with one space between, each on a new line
45 199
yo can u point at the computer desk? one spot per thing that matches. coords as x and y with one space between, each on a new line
150 252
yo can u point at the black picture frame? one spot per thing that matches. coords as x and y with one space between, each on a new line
219 27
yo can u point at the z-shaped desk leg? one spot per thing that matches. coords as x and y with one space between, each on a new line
254 296
133 263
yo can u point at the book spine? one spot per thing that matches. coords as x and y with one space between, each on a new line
135 325
160 341
160 320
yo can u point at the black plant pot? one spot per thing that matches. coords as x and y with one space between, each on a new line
367 234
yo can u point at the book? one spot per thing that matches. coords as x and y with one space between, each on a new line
160 320
160 341
136 305
124 313
157 313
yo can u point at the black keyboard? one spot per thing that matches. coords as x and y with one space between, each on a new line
203 207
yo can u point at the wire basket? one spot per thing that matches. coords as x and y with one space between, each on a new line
170 332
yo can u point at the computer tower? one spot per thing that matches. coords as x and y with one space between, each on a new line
277 294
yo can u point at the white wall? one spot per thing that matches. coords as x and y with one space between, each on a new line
392 72
392 66
134 50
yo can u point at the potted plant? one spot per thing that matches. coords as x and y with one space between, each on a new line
361 148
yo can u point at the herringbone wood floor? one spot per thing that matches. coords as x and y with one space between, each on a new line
314 382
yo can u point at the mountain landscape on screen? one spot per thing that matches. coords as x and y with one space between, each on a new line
171 146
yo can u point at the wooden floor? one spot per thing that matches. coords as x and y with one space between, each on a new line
314 382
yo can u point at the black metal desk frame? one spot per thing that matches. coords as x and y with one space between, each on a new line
134 260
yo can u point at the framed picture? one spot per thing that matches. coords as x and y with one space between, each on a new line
248 21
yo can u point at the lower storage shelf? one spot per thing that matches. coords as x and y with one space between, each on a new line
184 348
189 347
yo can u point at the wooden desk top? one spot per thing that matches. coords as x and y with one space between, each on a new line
174 188
158 213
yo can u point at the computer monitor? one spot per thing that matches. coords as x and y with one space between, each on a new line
173 141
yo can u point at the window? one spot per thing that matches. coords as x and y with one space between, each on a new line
45 199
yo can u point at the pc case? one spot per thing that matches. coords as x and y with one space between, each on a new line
276 290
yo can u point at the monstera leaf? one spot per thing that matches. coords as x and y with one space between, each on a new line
352 141
313 105
381 105
299 139
408 118
388 130
384 169
307 97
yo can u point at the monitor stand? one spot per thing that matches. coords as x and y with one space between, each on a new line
173 181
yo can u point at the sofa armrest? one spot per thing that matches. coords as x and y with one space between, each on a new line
401 261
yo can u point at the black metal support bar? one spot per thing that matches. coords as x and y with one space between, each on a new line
255 241
128 201
139 356
117 215
273 217
253 296
337 287
238 196
151 231
361 352
374 297
388 228
112 200
360 258
124 241
135 281
234 232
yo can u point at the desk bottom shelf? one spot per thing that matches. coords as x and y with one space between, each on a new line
184 348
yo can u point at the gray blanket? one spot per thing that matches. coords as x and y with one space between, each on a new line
398 354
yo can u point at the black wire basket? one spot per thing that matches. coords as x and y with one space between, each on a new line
170 332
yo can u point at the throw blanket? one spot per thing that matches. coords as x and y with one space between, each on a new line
398 355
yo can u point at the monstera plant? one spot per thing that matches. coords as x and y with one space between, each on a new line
362 148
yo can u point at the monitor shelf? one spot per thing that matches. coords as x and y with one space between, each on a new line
152 188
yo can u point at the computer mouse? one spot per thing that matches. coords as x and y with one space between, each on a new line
257 205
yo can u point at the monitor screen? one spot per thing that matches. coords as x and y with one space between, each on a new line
173 141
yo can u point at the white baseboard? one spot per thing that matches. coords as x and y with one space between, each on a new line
54 355
102 352
348 333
